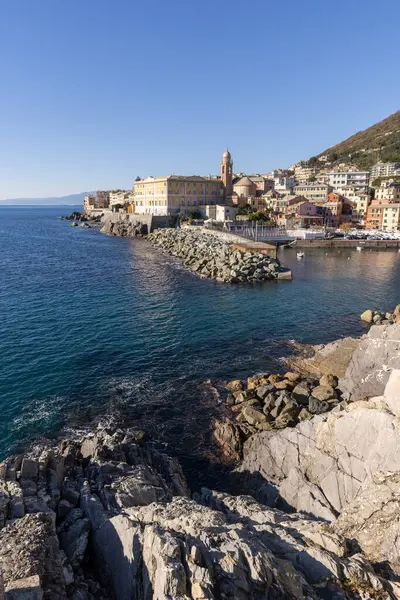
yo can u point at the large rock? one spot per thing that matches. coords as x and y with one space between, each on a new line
321 465
372 361
331 359
29 548
373 519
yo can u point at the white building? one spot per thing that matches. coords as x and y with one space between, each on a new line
220 212
382 169
357 179
388 190
284 185
120 197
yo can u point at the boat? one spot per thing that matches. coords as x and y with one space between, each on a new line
300 254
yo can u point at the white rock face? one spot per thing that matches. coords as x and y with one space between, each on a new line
377 354
321 465
392 392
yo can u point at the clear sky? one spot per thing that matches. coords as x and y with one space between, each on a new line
96 92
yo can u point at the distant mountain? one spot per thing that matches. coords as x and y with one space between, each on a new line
71 200
365 148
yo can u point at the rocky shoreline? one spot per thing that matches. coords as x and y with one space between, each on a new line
102 515
210 257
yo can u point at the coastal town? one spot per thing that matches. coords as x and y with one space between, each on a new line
319 193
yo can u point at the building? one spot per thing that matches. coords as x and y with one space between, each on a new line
98 201
221 212
313 191
176 194
303 172
119 197
360 208
180 194
387 169
303 214
357 179
284 185
382 215
244 190
388 190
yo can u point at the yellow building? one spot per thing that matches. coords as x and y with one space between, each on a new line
180 194
176 194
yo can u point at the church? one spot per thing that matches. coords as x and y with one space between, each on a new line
181 194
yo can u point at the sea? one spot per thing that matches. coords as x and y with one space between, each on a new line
97 327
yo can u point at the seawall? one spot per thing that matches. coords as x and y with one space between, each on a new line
129 225
337 243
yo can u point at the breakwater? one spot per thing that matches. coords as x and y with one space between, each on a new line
210 257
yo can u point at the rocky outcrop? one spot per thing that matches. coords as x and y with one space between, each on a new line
210 257
376 354
109 517
321 465
333 358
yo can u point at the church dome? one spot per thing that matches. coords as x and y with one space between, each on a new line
227 154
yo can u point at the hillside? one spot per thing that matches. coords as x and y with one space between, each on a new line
71 200
365 148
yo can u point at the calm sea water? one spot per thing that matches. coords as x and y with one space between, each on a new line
93 325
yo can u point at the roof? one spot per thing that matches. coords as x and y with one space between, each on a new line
245 181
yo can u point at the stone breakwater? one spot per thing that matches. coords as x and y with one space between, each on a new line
102 515
209 257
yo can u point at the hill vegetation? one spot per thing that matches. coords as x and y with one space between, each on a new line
381 142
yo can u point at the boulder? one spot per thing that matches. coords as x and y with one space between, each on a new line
316 407
235 385
301 394
228 436
253 416
324 392
329 380
367 316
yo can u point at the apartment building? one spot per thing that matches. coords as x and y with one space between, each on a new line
119 197
313 191
385 169
383 215
96 201
356 179
388 190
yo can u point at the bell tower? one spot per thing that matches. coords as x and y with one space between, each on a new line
226 173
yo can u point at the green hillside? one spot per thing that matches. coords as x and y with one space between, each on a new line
365 148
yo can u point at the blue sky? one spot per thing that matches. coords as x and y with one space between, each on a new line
96 92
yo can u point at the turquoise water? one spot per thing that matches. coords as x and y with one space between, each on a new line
93 325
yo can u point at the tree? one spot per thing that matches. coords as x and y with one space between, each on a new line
244 209
313 161
345 227
376 182
258 216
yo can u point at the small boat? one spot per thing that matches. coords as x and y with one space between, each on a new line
300 254
359 248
